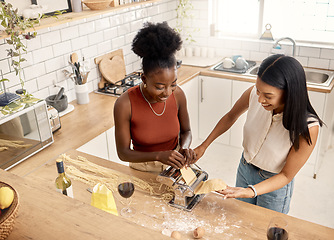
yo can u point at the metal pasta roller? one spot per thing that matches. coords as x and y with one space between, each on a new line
185 197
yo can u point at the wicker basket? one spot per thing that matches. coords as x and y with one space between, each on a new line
8 215
97 4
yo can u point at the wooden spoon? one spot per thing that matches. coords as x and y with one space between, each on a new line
74 58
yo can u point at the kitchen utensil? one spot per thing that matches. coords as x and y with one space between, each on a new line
228 63
113 69
59 94
97 4
185 197
60 104
241 63
74 58
54 118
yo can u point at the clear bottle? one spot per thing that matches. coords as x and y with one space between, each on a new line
63 183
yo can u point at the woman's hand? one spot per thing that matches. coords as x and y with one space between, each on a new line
199 151
172 158
189 155
237 192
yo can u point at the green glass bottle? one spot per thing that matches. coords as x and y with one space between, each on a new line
63 183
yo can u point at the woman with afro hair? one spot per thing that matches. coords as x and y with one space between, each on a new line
153 116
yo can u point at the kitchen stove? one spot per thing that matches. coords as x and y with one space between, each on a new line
116 89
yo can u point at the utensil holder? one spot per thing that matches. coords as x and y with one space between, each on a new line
81 92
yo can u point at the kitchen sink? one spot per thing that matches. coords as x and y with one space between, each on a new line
313 76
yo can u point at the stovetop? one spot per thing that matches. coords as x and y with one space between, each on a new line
121 86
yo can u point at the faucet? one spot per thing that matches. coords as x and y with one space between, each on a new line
293 44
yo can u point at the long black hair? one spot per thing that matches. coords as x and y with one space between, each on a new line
156 44
287 73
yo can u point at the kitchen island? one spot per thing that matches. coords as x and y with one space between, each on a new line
46 214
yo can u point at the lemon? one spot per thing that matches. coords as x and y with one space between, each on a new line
6 197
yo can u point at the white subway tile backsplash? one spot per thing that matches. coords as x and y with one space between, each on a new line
123 29
69 33
89 52
258 56
3 50
58 27
331 64
110 33
129 37
42 54
50 38
104 47
34 43
86 28
56 63
327 53
309 52
116 20
95 38
62 48
118 42
250 46
303 60
31 86
34 71
79 43
136 25
4 66
318 63
102 24
154 10
46 80
129 16
42 94
141 13
14 80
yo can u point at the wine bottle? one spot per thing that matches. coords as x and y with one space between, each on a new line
63 183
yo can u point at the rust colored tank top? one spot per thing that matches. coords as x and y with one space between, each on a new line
149 132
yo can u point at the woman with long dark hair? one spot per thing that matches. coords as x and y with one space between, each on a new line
280 133
153 116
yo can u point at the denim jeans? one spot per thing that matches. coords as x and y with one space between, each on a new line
278 200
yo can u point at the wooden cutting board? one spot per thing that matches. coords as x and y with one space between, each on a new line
112 69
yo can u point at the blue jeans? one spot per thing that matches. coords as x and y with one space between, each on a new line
278 200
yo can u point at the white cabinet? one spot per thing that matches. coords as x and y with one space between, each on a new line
238 88
323 103
215 101
190 89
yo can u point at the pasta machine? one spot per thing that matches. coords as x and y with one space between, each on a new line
185 197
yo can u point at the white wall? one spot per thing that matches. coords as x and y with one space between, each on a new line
48 54
310 55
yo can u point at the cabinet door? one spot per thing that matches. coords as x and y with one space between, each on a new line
190 89
96 147
214 102
238 87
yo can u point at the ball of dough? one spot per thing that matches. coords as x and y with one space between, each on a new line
175 235
199 232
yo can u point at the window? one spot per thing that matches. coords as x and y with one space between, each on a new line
303 20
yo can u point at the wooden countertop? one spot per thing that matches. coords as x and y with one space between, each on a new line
46 214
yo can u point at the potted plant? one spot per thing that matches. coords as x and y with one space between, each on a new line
15 27
183 12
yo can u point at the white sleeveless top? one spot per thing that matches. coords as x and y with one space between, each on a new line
266 142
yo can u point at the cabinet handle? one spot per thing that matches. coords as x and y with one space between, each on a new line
202 90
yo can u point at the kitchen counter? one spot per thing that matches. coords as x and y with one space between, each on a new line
46 214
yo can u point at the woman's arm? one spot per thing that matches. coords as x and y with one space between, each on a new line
294 162
185 130
225 122
122 117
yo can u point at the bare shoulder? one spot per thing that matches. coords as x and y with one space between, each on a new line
122 103
180 96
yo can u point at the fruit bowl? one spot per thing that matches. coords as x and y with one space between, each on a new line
8 215
97 4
